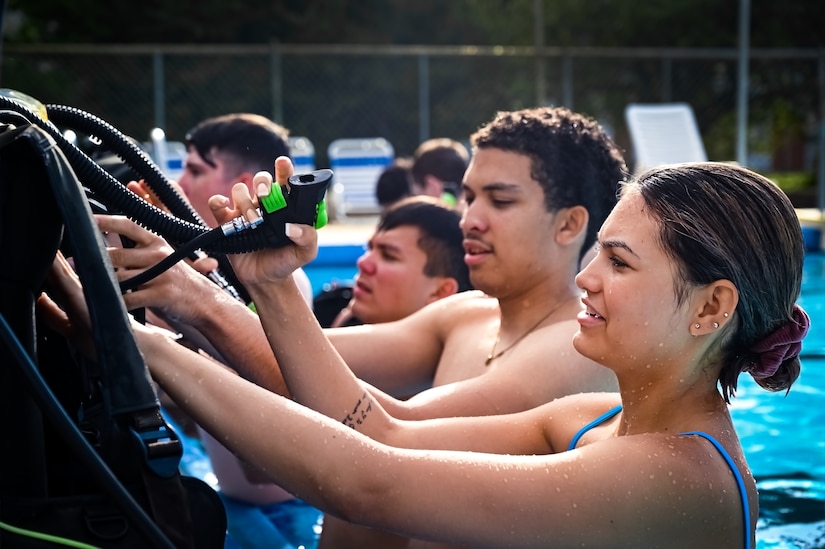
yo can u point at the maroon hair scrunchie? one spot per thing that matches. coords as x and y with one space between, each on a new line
780 345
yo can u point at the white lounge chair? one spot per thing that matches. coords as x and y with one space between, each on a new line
302 152
357 163
664 133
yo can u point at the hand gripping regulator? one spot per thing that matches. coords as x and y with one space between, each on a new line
300 201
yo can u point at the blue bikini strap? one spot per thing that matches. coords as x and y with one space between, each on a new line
739 481
598 421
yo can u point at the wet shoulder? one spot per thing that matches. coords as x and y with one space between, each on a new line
465 306
470 299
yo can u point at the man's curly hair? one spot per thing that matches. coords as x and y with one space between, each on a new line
573 158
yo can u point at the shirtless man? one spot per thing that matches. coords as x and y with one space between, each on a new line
539 185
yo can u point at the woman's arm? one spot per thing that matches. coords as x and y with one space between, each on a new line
314 371
624 491
195 306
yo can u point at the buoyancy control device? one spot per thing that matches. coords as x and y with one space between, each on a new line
88 458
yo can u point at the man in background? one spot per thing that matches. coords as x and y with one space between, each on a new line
394 183
438 169
414 257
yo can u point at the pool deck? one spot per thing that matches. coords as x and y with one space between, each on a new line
356 230
350 231
811 216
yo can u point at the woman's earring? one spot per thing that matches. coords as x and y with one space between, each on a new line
715 325
697 325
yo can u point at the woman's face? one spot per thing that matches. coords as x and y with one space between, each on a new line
631 319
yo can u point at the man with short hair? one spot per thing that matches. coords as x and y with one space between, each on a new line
394 182
225 150
438 168
414 257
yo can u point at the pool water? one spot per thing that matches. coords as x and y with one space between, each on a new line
783 436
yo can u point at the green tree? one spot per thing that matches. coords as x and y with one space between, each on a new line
630 23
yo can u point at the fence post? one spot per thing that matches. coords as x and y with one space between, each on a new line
742 96
567 80
276 82
538 31
423 97
667 79
159 82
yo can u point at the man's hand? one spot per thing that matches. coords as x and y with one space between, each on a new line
173 293
144 191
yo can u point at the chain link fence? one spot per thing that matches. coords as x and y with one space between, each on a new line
409 93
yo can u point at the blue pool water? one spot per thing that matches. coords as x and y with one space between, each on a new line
784 435
333 264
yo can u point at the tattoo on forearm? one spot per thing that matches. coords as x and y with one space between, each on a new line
359 412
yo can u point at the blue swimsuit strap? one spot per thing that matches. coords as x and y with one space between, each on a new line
598 421
740 483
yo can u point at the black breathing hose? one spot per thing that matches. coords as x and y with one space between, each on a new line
115 195
137 159
134 156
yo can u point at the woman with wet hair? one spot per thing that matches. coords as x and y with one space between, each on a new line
695 281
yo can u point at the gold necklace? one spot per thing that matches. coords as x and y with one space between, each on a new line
493 355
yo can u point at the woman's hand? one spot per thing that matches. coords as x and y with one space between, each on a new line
272 264
64 308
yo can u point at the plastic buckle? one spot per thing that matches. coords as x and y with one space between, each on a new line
161 447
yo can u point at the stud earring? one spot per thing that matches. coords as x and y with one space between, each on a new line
715 325
726 315
697 325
